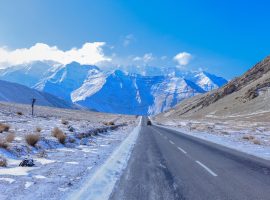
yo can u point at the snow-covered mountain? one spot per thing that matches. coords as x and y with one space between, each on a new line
66 79
17 93
115 92
28 74
208 81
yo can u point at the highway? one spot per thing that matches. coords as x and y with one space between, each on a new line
167 164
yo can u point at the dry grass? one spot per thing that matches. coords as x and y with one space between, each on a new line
3 144
4 127
248 137
10 137
65 122
32 138
59 134
3 162
108 123
19 113
256 142
38 129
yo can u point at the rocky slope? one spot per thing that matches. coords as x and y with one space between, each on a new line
248 94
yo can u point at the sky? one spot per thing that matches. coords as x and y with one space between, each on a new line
222 37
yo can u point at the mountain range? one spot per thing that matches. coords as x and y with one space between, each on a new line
112 91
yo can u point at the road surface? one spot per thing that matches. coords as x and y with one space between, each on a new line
167 164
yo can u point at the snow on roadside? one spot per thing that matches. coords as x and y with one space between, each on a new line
101 184
59 169
228 141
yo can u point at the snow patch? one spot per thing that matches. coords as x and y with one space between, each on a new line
9 180
16 171
28 184
40 177
72 163
44 161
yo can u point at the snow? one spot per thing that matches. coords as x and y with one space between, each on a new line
16 171
44 161
28 184
101 184
63 168
91 85
9 180
40 177
72 163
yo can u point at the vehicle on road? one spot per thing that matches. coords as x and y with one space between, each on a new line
149 123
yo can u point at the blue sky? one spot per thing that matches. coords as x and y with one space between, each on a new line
223 37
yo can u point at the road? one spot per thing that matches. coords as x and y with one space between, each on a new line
167 164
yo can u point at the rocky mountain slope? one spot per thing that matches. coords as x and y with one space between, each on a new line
115 92
16 93
246 95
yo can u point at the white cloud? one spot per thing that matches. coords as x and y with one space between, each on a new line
128 39
183 58
146 58
89 53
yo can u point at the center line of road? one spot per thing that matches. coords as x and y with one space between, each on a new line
171 142
206 168
182 150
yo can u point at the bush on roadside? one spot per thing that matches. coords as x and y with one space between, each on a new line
65 122
3 162
38 129
111 123
32 138
256 142
19 113
59 134
10 137
4 127
3 144
248 137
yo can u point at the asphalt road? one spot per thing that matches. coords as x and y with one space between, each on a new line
167 164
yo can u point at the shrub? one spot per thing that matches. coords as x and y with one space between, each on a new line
38 129
3 162
4 127
108 123
256 142
59 134
10 137
248 137
19 113
65 122
3 144
245 137
32 139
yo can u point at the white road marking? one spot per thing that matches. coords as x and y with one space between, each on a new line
182 150
206 168
171 142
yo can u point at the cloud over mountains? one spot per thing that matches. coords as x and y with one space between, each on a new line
89 53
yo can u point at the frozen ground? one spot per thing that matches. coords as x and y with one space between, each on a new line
236 132
60 169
